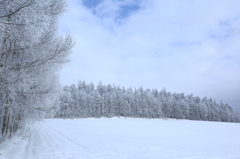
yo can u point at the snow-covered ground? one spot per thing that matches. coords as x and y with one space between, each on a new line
126 139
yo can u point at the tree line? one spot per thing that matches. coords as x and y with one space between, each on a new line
31 53
85 100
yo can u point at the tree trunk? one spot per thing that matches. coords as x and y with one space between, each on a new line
5 122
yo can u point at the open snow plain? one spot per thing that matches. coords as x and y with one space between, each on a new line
120 138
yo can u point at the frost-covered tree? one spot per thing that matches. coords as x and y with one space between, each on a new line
110 101
30 56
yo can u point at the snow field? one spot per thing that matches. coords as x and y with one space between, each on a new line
120 138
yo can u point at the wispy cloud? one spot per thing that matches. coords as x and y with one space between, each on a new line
188 46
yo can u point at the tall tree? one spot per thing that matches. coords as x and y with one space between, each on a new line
30 56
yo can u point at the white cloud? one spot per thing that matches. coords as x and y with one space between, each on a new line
188 46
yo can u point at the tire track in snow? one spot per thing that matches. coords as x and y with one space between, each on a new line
126 139
80 139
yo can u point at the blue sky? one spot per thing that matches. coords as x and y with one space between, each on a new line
188 46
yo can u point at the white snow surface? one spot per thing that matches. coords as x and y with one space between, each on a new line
120 138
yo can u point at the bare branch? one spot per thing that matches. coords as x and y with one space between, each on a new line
41 109
60 50
22 6
9 23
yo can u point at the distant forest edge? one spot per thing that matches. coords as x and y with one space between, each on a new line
86 100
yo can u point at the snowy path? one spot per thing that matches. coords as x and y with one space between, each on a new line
126 139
